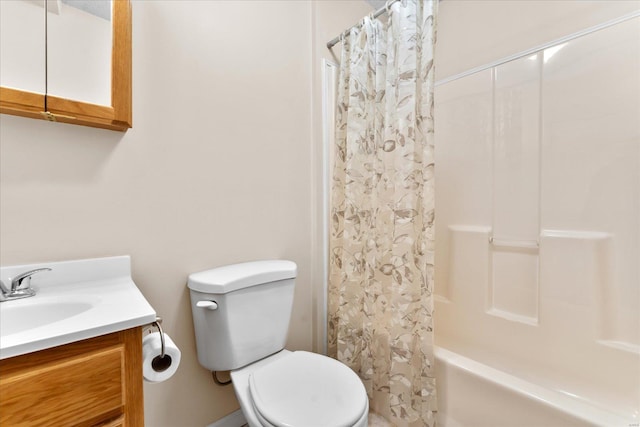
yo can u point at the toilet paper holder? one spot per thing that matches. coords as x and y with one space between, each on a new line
162 362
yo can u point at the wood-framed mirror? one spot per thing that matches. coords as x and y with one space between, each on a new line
41 100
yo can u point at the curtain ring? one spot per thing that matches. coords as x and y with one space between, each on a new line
388 4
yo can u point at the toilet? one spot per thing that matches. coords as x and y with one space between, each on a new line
241 316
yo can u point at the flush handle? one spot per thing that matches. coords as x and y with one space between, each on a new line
209 305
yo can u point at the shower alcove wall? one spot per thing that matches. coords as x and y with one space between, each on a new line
538 207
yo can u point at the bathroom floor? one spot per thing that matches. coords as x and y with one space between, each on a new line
376 420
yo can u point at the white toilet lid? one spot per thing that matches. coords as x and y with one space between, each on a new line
307 390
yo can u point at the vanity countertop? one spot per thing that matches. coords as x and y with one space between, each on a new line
76 300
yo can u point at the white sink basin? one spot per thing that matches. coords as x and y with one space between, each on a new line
76 300
37 313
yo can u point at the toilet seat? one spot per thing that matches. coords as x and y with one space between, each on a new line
307 389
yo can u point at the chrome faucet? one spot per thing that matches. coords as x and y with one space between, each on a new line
20 286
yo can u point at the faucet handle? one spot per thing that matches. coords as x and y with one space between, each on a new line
17 281
3 289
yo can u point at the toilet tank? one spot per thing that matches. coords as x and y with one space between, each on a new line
250 317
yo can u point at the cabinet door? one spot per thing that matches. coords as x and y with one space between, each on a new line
22 56
119 422
79 38
75 94
94 382
22 45
73 391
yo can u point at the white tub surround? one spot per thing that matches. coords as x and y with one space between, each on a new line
538 230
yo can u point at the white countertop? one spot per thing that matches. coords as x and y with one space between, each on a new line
75 301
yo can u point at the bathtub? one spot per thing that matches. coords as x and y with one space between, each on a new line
471 394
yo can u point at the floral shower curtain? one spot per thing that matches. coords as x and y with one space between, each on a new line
382 226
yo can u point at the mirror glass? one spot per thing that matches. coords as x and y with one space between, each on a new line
79 40
22 45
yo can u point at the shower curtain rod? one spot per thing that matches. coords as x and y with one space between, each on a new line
331 43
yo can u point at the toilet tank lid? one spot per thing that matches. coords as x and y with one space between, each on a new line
230 278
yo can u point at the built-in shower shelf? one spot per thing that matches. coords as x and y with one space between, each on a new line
512 243
621 345
533 321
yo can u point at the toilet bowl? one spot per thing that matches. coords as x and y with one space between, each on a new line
241 316
300 389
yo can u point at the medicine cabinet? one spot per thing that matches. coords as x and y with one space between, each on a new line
67 61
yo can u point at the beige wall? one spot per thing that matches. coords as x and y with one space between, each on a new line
472 33
220 167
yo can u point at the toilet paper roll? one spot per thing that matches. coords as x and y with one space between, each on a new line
154 368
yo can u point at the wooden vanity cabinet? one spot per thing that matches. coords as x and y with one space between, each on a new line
94 382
